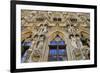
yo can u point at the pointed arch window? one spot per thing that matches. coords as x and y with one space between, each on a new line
57 49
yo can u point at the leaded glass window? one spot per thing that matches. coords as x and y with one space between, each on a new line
57 50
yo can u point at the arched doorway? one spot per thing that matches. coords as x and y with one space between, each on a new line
57 49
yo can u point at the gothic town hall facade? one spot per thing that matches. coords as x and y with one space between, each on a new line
54 36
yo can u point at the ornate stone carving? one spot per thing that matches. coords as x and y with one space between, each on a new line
38 26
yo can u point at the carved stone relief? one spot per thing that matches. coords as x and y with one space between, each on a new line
39 23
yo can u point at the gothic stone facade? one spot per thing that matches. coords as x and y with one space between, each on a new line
43 30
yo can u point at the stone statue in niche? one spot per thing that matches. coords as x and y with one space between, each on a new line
71 28
77 54
37 51
35 56
73 41
44 29
78 42
41 42
40 45
86 52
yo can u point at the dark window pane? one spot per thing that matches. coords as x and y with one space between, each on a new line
61 52
53 43
27 44
60 58
53 52
54 19
24 47
61 43
39 19
52 58
59 19
73 19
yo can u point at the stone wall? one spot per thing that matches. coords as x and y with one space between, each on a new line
40 27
